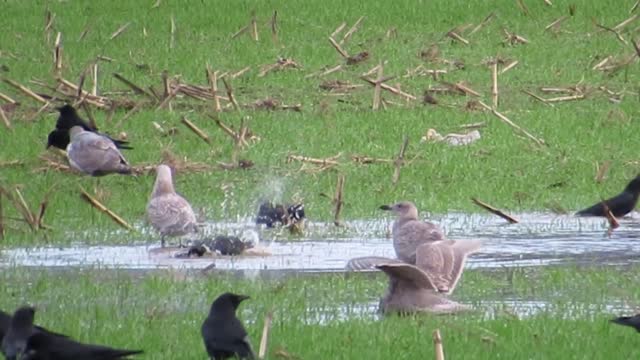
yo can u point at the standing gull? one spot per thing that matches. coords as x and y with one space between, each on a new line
169 213
408 234
619 205
95 154
223 334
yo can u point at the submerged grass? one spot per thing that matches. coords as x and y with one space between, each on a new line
502 168
333 316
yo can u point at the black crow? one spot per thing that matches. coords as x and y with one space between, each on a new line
633 321
69 118
26 342
5 323
620 205
222 332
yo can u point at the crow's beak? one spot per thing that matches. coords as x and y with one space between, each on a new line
244 297
385 207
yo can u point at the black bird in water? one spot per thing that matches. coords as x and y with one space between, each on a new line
69 118
222 332
619 205
633 321
270 215
26 342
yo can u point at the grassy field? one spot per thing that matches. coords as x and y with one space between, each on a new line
162 312
502 168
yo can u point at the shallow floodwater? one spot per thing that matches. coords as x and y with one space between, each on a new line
539 239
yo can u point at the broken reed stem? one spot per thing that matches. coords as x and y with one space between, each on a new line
323 162
195 129
7 98
483 23
274 27
494 87
338 200
137 89
437 345
120 30
230 94
340 28
98 205
556 22
25 90
509 67
566 98
213 83
338 48
601 171
494 210
5 119
389 88
377 88
254 26
511 123
94 73
23 208
351 31
57 54
542 100
399 161
172 38
265 335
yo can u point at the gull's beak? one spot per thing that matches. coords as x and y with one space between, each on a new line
385 207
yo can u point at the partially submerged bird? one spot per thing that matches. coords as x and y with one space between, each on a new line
631 321
223 334
411 290
169 213
69 118
228 245
95 154
619 205
271 215
23 341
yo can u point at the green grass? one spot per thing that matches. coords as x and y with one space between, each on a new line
501 168
161 312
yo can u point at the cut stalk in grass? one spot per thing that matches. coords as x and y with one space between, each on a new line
494 86
338 30
601 171
555 24
1 216
399 161
566 98
455 36
232 98
509 66
542 100
377 89
512 124
254 26
494 210
172 35
338 48
274 27
7 98
437 345
57 55
483 23
201 134
25 90
5 119
338 200
120 30
265 335
98 205
352 31
212 77
137 89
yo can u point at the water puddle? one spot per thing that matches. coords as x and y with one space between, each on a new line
539 239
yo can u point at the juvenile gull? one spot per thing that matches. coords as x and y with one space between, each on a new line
408 234
412 290
169 213
223 334
95 154
69 118
620 205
